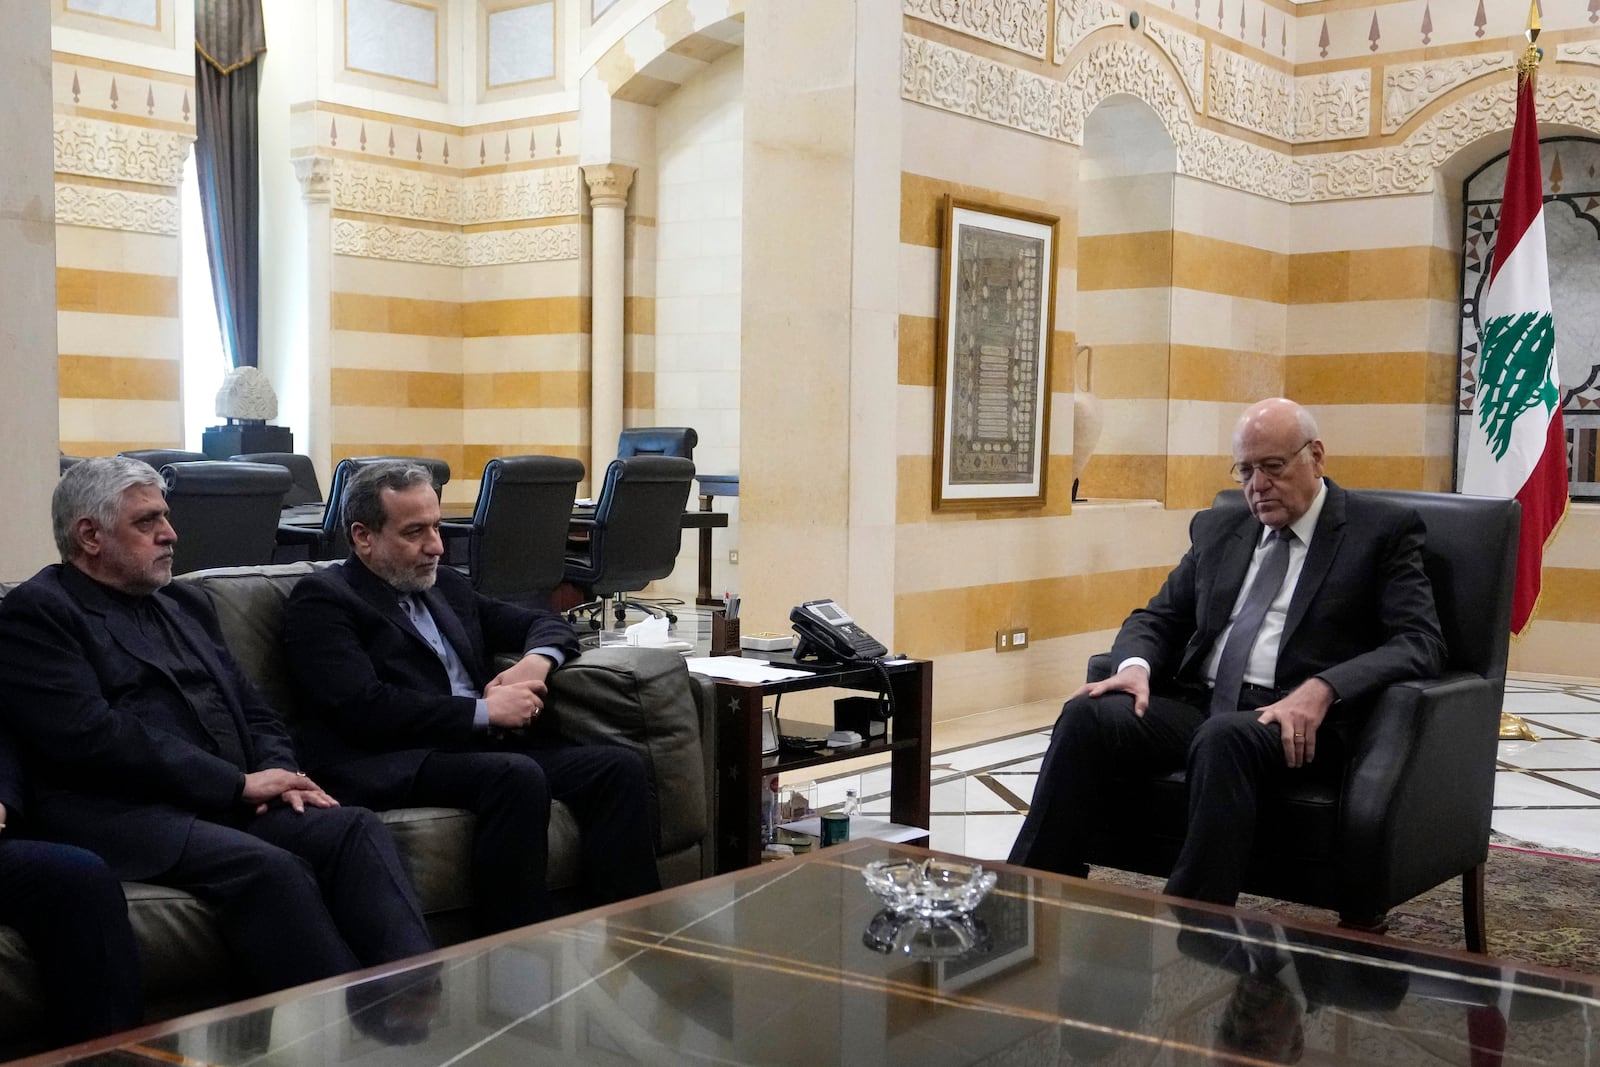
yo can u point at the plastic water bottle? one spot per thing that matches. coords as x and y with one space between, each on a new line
852 804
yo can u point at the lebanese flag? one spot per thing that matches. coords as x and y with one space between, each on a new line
1516 445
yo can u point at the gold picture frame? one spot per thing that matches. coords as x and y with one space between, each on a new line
992 387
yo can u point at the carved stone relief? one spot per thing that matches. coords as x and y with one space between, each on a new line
1331 106
99 149
116 209
1408 89
1015 24
1249 94
956 81
1077 19
1584 52
1188 54
377 240
527 194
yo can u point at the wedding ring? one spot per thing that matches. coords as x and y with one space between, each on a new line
302 774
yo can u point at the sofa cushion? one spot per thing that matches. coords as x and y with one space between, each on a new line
640 698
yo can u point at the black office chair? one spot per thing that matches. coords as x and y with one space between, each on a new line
304 487
67 461
1413 808
517 536
657 441
331 540
225 513
160 457
634 535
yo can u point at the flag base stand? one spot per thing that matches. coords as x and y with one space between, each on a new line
1512 728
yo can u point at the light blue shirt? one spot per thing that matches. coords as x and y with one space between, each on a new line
416 610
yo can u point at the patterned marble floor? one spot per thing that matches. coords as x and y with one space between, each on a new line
1546 791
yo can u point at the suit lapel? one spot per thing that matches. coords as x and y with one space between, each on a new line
382 598
449 624
1231 569
1324 548
95 600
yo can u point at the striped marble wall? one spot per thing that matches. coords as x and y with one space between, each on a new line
121 135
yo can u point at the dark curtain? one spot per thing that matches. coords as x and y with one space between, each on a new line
228 37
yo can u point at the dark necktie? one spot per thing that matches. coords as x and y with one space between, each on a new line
1247 624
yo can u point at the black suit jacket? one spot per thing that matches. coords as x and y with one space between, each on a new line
377 696
119 762
1361 616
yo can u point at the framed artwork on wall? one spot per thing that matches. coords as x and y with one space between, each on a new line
992 386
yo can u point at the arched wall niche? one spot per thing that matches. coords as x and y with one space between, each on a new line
1126 176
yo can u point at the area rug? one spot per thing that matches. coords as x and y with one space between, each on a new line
1540 906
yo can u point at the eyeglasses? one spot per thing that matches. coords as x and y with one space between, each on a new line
1273 466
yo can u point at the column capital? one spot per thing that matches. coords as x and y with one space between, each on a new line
608 183
316 178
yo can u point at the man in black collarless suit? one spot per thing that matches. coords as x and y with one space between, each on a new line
394 660
1240 680
147 745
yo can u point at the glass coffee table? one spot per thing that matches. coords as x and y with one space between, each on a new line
795 963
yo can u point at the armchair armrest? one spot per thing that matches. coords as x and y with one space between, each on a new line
1419 790
1100 667
299 535
643 699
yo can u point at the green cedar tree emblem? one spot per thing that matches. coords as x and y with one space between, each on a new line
1514 374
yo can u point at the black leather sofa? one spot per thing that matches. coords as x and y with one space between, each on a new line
643 698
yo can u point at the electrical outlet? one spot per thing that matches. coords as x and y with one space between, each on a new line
733 555
1011 639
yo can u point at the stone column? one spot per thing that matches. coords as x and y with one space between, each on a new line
29 403
316 185
608 198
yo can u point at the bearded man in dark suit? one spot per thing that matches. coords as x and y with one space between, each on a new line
394 660
147 745
1256 658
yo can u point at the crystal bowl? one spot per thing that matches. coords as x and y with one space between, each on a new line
931 888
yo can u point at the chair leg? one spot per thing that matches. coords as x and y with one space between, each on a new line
1472 910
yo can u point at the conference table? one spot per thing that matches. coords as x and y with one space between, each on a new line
794 962
311 516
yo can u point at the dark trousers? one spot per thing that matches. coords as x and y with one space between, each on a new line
69 908
304 895
509 792
1230 759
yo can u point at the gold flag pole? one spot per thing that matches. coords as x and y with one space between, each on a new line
1512 728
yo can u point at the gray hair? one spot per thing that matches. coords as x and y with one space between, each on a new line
363 495
1308 424
93 490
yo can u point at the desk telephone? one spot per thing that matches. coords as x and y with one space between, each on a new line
828 633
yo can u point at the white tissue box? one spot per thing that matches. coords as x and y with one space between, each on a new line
767 642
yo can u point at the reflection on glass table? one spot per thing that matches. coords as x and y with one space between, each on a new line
769 965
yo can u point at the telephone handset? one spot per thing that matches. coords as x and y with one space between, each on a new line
827 632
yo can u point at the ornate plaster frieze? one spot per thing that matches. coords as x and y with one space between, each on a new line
1121 67
960 82
98 149
410 244
1077 19
1409 88
1582 52
1188 54
1410 167
1331 106
1249 94
116 209
528 194
1015 24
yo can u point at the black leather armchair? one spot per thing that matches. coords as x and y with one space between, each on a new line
160 457
1412 810
634 536
657 441
226 513
304 487
517 536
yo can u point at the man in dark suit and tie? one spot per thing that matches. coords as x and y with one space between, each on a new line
394 660
147 745
1256 658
